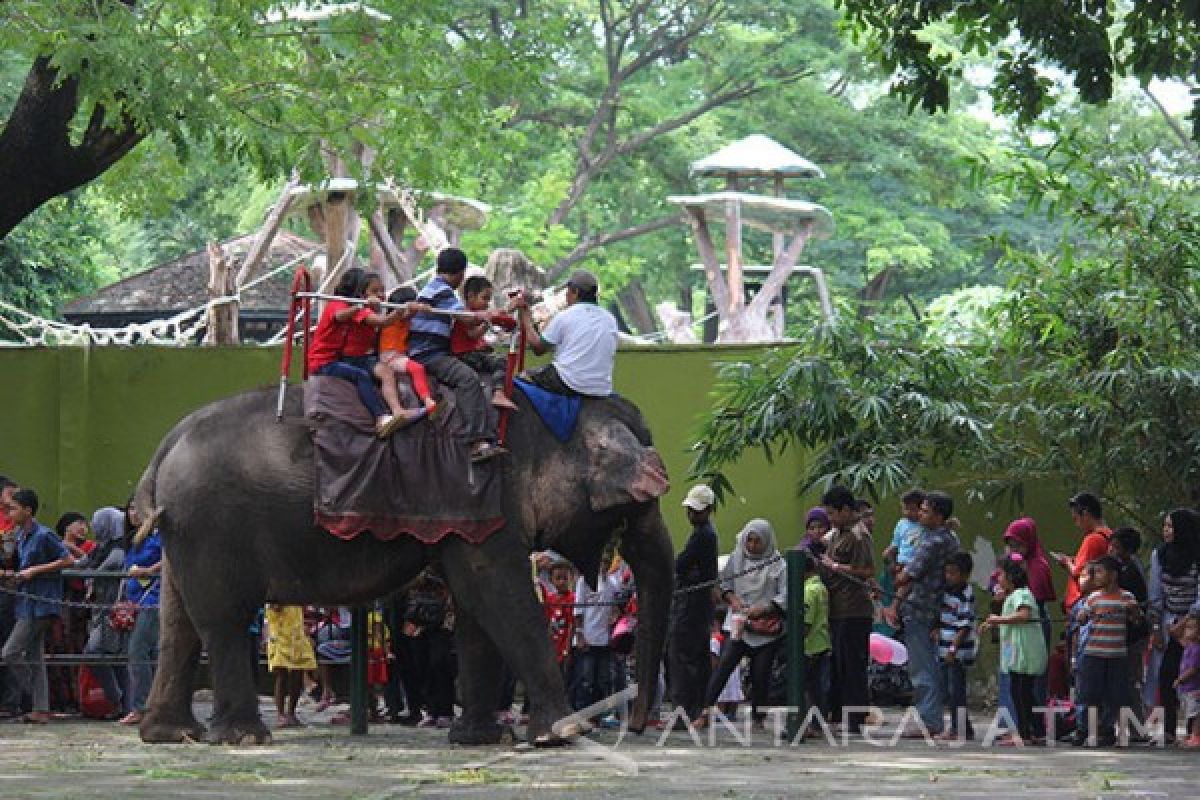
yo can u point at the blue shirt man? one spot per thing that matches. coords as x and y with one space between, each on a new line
38 546
40 557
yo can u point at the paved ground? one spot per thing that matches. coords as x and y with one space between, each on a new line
78 759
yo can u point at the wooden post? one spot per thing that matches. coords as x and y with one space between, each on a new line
223 317
335 206
733 248
712 264
359 691
777 237
389 254
262 243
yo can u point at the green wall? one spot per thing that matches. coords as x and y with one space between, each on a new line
80 425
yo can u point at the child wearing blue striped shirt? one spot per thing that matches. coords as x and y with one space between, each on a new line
957 643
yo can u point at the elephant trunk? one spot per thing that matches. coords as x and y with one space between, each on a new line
646 547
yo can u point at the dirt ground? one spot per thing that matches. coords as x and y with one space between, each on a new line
72 758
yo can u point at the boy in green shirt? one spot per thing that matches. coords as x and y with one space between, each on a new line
818 649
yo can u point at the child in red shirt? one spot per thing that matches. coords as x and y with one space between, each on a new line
343 346
468 345
393 352
560 612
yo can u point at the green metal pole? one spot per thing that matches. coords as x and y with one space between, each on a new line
796 561
358 671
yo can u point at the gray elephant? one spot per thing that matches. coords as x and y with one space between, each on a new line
231 491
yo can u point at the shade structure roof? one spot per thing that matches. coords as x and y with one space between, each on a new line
182 283
771 214
462 213
756 156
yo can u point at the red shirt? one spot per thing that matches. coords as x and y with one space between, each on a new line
461 342
334 339
560 614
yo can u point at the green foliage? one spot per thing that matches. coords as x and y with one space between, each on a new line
1094 42
267 93
51 258
875 401
1086 372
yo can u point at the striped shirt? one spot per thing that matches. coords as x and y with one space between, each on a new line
1109 614
429 334
958 614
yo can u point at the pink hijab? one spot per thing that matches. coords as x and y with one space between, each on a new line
1041 582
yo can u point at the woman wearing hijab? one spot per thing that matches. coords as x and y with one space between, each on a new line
108 527
1174 591
754 584
1022 538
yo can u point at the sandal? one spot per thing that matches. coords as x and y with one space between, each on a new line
486 452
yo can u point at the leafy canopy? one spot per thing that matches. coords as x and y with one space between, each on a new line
1093 41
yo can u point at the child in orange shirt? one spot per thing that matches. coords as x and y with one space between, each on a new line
393 352
468 345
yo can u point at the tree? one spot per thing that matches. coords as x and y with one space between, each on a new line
1087 373
1094 42
261 81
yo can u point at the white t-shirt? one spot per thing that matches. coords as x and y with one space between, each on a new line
585 342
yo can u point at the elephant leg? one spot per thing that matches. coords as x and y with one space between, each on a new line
169 716
490 582
646 547
478 685
235 700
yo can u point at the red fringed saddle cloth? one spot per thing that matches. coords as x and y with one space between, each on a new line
419 482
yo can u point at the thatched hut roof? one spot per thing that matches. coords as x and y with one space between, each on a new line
182 283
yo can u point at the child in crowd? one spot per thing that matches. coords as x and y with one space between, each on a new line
1188 682
818 647
289 656
816 527
343 346
467 342
1022 648
731 693
1103 679
559 602
379 648
956 643
333 647
907 533
393 351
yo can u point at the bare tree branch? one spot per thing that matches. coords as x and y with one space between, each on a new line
1188 143
589 243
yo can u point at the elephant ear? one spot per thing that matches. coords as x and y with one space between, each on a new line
621 470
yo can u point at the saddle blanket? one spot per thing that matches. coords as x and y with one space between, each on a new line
419 482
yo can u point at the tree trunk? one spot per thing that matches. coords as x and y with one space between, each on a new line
223 317
38 160
637 308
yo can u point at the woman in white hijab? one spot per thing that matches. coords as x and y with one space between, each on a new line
754 583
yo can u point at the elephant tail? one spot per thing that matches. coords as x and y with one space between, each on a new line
145 496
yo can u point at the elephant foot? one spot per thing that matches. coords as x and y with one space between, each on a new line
240 733
480 732
155 729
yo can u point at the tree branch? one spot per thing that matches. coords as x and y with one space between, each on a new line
1189 144
37 159
589 243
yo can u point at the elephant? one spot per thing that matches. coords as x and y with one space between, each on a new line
231 491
